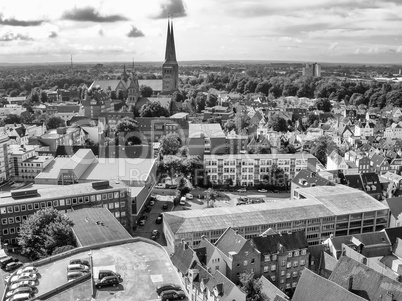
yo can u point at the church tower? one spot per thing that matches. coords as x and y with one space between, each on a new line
170 68
133 89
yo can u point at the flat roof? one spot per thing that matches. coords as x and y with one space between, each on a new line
96 225
260 156
325 202
209 130
57 191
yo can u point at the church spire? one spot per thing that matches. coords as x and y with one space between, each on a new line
170 53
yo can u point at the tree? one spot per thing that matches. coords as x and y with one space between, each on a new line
323 104
12 119
153 109
43 97
126 125
242 121
44 231
212 100
146 91
251 286
323 146
278 124
229 125
184 186
200 101
170 144
55 122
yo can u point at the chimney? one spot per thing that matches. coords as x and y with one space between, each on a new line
350 284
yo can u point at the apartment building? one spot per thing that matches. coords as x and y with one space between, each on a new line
319 211
16 206
5 157
249 169
206 138
62 136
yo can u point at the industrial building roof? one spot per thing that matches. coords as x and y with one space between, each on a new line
207 130
320 202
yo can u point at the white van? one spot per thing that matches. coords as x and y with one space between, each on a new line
183 200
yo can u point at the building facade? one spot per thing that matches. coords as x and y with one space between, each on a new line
170 67
5 157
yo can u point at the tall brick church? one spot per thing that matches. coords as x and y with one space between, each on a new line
170 67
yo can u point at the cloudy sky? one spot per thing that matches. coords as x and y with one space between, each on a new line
360 31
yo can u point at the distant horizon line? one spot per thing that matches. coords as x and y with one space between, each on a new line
193 61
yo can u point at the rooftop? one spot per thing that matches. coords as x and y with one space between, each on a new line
319 202
207 130
260 156
96 225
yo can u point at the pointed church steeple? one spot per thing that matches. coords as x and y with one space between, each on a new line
170 68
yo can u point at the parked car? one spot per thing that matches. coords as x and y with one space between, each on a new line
19 290
77 268
189 196
142 222
160 185
155 234
151 202
21 297
28 270
80 261
159 219
165 206
7 260
172 295
24 276
22 284
13 266
183 201
107 281
74 275
242 190
263 190
166 287
105 273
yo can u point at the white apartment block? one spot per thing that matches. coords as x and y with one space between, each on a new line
393 132
249 169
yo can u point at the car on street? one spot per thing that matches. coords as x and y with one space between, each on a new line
25 276
77 268
160 186
166 287
74 275
165 206
80 261
7 260
22 284
13 266
172 295
189 196
263 190
155 234
151 202
182 201
20 290
107 281
159 219
242 190
142 222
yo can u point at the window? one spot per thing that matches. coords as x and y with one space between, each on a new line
98 197
303 252
116 205
116 195
295 263
104 196
86 199
302 262
238 265
5 231
49 203
246 253
55 203
290 254
123 213
245 263
252 261
296 253
288 264
267 258
110 196
24 217
122 204
18 219
274 257
74 201
10 209
43 205
68 202
273 267
266 269
4 221
283 263
110 205
93 198
294 284
295 274
287 275
273 278
117 214
3 210
282 273
23 207
12 230
80 200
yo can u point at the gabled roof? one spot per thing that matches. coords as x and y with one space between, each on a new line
377 159
270 290
366 282
354 181
290 241
230 242
312 287
395 206
204 250
393 233
183 257
155 84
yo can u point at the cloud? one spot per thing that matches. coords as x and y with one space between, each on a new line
135 32
8 37
174 8
101 32
290 39
89 14
15 22
333 46
53 35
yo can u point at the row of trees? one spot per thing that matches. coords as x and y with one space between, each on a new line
51 122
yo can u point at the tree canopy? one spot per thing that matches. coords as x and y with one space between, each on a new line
44 231
146 91
55 122
153 109
170 144
127 124
278 124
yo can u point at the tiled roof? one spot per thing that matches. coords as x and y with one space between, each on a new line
366 282
307 178
270 290
230 241
312 287
393 234
207 130
395 206
183 257
155 84
290 241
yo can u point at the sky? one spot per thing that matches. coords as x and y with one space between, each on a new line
339 31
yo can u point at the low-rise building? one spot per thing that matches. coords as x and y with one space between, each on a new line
319 211
206 138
